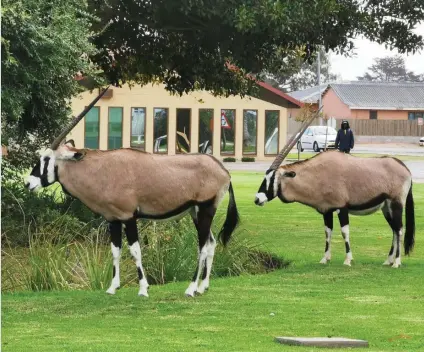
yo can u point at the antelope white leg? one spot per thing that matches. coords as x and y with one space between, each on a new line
116 254
397 250
192 288
345 234
136 253
210 250
390 258
327 252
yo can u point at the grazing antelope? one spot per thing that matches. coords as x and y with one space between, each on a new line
337 182
125 184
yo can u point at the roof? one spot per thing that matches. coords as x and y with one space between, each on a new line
380 95
370 95
280 93
270 88
309 95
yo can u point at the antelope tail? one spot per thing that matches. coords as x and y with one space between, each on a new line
409 239
231 220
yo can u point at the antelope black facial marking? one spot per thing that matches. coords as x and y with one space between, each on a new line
267 189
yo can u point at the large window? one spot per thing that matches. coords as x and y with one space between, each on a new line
160 130
183 131
250 131
272 118
91 128
138 128
205 131
228 130
115 128
415 115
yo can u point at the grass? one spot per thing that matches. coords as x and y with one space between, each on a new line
366 301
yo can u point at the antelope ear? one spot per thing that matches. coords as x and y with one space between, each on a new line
70 143
290 174
66 152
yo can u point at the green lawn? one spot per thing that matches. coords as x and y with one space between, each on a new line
367 301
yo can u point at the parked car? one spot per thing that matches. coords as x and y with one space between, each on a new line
314 138
421 143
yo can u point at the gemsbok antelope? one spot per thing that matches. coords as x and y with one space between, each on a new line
337 182
125 184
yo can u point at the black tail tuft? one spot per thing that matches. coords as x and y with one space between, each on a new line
409 239
232 219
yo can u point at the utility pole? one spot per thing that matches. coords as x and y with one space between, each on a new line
319 84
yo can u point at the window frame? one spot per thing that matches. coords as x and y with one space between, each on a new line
212 119
191 126
256 145
98 135
278 137
122 126
220 131
145 128
167 130
371 114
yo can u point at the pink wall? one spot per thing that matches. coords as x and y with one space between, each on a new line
334 107
381 114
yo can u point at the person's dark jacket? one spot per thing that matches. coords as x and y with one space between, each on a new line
344 139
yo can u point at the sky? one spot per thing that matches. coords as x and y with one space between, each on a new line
350 68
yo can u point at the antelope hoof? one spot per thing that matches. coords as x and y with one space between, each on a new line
111 290
203 288
143 292
396 264
324 260
191 290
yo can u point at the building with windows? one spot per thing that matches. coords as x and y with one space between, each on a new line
152 120
368 100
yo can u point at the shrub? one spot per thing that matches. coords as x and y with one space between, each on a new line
86 263
23 211
247 159
229 160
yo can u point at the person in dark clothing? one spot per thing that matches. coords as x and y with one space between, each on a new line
344 139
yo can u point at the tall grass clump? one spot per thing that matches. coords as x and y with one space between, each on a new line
169 251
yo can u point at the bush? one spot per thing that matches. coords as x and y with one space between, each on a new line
86 263
229 160
247 159
25 212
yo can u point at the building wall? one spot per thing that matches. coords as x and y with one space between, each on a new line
334 107
381 114
155 96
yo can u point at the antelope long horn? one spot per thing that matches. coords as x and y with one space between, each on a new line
293 140
75 120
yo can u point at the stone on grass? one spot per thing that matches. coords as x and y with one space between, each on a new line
329 342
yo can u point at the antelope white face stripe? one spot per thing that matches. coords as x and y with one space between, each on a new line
268 179
34 182
50 170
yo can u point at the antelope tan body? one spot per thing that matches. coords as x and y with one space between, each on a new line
338 182
335 180
125 184
121 183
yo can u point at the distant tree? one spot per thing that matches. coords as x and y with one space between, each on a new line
390 69
297 74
